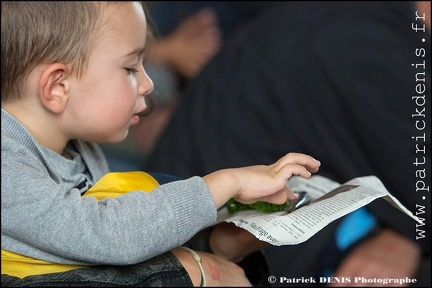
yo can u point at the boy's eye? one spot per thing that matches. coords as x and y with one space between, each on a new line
131 71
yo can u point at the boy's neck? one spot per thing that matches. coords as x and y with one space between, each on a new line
40 125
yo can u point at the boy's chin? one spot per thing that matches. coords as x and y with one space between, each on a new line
116 139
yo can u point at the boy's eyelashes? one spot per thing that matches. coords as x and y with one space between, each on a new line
131 70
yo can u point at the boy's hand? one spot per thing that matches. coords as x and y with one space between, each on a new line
266 183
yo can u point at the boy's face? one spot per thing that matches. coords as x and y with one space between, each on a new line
104 103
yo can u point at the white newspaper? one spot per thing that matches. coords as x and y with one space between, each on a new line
330 201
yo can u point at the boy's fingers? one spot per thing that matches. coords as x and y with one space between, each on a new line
291 195
276 198
299 158
280 197
293 169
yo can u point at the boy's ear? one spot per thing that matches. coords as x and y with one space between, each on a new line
54 87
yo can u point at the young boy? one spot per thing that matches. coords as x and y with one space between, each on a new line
72 76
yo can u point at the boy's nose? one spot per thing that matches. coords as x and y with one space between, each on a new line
146 85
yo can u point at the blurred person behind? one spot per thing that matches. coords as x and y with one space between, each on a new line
336 80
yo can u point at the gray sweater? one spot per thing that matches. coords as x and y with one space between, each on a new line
45 217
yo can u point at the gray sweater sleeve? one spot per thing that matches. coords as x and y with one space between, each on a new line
48 220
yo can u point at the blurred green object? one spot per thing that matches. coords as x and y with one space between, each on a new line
233 206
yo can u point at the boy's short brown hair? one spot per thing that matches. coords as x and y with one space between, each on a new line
34 33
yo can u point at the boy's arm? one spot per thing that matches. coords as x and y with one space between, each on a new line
218 271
